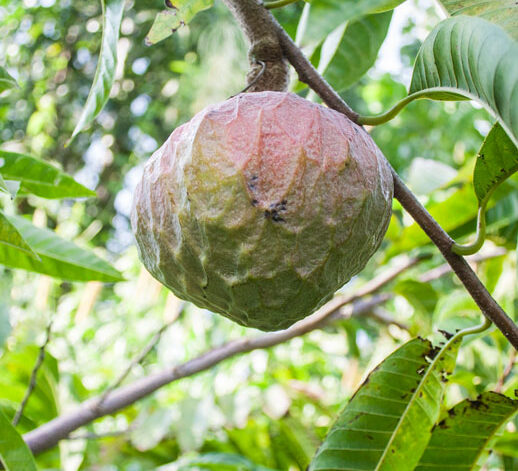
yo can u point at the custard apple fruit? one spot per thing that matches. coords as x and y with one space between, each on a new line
261 207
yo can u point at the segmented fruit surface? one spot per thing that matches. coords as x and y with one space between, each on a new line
261 207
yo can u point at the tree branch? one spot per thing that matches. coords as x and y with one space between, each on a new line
49 434
253 19
438 236
507 372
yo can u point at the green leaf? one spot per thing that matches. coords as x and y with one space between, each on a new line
219 462
496 161
292 443
462 439
14 453
106 64
501 12
475 58
10 237
58 257
422 296
351 50
6 81
16 368
507 444
388 423
39 177
320 17
454 211
168 21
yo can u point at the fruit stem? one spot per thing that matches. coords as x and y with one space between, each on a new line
474 247
391 113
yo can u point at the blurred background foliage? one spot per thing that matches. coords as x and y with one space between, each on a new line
271 407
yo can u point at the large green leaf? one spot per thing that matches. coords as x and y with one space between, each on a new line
106 64
218 462
496 161
475 58
462 439
320 17
387 424
10 237
58 257
6 81
351 50
14 453
501 12
39 177
168 21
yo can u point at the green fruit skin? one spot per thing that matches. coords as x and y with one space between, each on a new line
261 207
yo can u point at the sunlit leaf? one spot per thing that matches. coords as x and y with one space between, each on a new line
427 175
301 444
496 161
422 296
39 177
454 211
106 64
350 51
3 187
16 367
475 58
11 238
168 21
6 81
507 444
462 439
320 17
58 257
14 453
389 420
501 12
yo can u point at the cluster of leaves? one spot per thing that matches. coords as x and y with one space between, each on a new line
398 418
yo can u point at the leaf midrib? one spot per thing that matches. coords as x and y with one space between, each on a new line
416 392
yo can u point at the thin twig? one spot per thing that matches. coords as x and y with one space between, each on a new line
507 372
381 315
34 374
49 434
140 357
100 436
255 80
